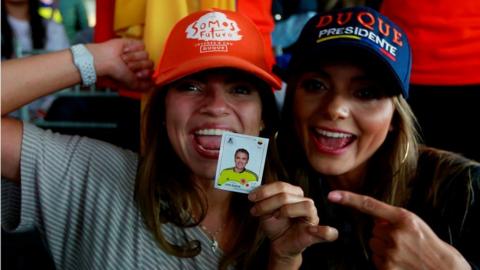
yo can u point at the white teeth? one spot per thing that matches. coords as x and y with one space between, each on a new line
333 134
210 132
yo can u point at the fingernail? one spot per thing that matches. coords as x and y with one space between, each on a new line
334 196
253 211
252 196
333 234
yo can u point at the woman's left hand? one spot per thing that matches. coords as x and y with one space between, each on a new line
290 221
401 239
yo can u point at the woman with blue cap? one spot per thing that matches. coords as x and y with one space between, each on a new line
349 138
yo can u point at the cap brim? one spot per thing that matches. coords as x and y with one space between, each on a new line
343 47
208 62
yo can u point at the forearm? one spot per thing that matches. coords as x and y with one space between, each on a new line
26 79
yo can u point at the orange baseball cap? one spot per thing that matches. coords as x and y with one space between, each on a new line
214 39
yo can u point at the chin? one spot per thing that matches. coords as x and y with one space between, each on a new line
328 167
332 171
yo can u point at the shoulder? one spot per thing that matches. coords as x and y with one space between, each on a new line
445 195
227 170
250 173
447 181
446 165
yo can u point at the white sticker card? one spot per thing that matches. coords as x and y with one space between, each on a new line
240 162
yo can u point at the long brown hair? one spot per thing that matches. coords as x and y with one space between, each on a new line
166 193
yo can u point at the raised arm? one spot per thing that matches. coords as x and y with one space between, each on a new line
26 79
122 62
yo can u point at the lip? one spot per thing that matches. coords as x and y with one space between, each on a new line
209 130
206 153
315 136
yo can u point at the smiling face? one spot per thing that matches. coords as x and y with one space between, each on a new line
241 160
199 108
342 116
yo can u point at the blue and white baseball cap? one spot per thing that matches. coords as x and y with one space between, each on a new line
356 31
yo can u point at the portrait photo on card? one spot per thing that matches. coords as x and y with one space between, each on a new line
240 162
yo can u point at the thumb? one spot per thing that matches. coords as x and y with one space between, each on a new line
313 234
321 234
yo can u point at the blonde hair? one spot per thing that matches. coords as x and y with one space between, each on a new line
395 162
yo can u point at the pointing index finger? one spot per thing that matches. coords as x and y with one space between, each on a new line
367 205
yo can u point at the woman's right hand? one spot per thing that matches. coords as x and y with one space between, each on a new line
122 63
290 221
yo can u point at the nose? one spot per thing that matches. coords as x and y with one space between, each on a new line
215 103
337 107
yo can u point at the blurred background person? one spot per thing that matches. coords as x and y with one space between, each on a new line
445 40
24 30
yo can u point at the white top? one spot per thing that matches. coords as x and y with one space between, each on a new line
56 37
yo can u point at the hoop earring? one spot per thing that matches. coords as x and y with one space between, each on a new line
406 153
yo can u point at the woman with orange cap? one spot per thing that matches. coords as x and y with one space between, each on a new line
102 207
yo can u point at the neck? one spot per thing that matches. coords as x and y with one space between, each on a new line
218 200
235 169
18 10
218 213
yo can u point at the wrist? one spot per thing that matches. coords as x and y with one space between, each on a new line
290 262
84 61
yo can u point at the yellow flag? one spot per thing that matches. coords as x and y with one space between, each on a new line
222 4
129 18
161 15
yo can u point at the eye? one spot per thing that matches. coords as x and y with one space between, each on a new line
313 85
243 89
370 93
188 86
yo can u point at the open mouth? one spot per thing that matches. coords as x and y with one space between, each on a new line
207 142
331 142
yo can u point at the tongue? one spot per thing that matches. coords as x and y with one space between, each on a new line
209 142
333 143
